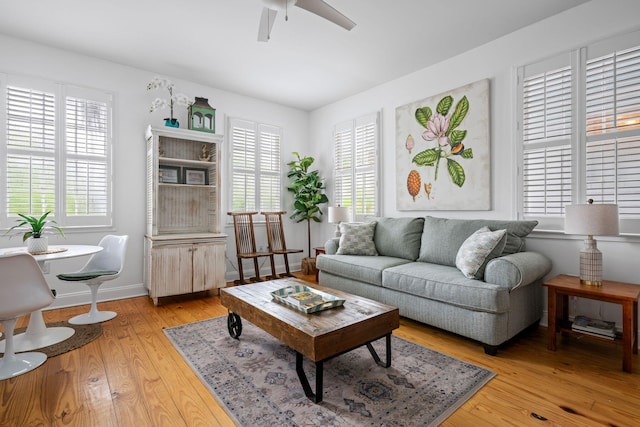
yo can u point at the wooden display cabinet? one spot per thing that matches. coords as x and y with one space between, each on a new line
184 246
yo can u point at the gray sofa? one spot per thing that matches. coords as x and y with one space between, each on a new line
416 263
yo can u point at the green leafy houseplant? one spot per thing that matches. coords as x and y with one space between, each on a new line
35 227
308 193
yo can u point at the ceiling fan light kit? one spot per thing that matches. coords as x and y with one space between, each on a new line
317 7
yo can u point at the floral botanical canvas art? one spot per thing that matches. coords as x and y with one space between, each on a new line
442 151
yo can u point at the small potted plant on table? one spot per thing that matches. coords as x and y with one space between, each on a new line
34 229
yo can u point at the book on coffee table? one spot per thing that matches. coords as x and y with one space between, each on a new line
305 297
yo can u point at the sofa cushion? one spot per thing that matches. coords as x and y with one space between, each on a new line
446 284
366 269
399 237
357 239
442 237
480 248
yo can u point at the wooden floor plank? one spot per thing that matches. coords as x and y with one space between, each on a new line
132 375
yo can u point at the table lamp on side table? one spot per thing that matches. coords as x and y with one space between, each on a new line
592 220
337 215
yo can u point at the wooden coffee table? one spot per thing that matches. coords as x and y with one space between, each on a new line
317 336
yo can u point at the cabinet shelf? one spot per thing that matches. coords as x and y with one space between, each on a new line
184 246
196 186
171 161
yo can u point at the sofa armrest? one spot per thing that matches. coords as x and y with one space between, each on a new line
519 269
331 246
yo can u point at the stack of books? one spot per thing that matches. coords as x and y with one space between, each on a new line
599 328
306 298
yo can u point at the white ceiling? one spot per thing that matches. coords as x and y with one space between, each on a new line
308 63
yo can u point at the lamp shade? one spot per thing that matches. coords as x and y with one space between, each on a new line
591 219
338 214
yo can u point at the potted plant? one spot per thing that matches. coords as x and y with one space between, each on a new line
308 194
33 231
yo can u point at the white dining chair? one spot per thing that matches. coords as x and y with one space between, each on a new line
101 267
23 289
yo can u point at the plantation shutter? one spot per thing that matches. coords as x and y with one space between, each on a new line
356 166
365 166
243 147
270 193
256 166
88 155
31 143
343 163
613 128
546 131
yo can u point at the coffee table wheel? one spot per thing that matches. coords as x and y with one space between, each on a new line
234 323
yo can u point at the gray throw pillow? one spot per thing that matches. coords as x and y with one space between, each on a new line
399 237
480 248
442 237
357 239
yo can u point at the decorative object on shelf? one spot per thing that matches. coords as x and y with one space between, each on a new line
202 116
35 230
592 220
169 174
338 214
194 176
179 99
205 153
308 194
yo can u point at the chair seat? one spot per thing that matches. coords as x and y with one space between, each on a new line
287 251
86 275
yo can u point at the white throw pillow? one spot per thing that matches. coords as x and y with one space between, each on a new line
357 239
480 248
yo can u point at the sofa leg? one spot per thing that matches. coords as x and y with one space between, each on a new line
491 350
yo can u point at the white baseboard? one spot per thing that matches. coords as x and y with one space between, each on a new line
82 297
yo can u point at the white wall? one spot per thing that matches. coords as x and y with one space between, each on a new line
496 61
130 120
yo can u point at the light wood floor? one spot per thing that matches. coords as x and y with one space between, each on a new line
132 376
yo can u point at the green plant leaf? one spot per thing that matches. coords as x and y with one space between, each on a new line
426 157
456 172
457 136
444 105
462 107
467 154
423 115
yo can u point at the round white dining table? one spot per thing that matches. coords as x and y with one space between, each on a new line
38 335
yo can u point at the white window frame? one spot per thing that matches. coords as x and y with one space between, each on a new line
356 148
578 138
264 168
61 155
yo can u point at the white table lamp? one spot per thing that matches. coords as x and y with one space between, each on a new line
337 215
591 220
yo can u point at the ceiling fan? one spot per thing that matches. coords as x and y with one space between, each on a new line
317 7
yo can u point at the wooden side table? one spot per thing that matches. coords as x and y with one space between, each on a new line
626 294
319 250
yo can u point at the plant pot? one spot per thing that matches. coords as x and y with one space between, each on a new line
172 123
37 244
308 266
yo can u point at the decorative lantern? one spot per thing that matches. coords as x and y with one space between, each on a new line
201 116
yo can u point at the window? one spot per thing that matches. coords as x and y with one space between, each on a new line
255 166
580 131
57 155
356 166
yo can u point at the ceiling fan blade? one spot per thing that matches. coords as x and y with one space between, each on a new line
266 23
324 10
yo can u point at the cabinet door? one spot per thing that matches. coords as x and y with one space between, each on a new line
172 270
208 266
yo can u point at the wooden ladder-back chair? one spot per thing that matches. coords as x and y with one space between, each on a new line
246 245
275 237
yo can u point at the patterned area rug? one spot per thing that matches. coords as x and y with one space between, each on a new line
255 380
